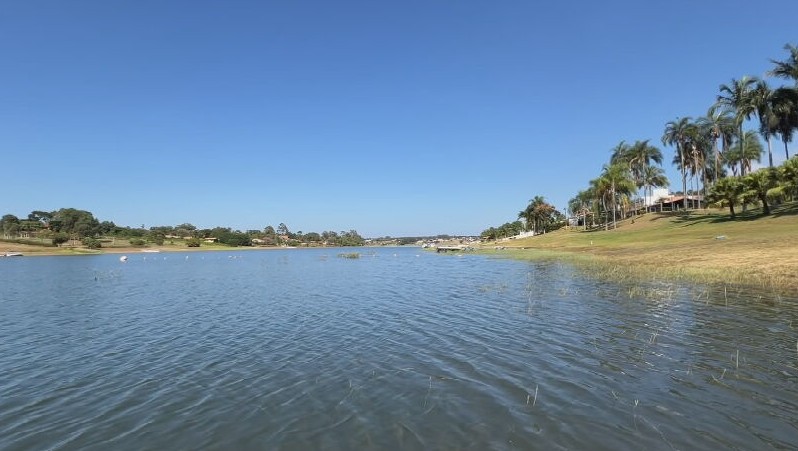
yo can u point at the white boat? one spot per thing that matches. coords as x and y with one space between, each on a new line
13 254
151 250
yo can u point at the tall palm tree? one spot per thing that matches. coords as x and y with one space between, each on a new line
615 179
762 98
637 157
744 153
788 68
653 176
531 214
676 135
718 124
738 98
784 105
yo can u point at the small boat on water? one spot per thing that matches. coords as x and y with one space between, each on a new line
151 250
12 254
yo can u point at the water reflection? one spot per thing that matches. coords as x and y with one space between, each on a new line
399 349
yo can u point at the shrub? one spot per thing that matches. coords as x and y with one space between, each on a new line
60 238
137 242
92 243
193 242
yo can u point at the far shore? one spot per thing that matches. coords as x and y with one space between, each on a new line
33 251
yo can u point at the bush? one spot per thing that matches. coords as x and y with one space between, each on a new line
60 238
137 242
92 243
193 242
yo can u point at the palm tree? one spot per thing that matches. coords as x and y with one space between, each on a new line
718 124
762 98
726 192
653 176
638 157
785 112
788 175
615 179
531 214
788 68
676 134
742 154
699 144
738 98
757 184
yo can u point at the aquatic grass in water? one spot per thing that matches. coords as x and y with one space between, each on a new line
349 255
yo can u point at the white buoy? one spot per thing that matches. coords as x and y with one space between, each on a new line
123 258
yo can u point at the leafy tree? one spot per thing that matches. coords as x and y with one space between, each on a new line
92 243
75 222
10 225
157 237
193 242
282 229
60 238
726 192
757 184
788 176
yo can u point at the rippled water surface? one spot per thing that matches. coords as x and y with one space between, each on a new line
400 349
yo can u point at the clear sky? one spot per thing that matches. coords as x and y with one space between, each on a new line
391 118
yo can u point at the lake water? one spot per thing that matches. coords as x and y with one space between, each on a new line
399 349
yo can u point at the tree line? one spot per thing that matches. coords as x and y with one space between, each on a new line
714 153
70 224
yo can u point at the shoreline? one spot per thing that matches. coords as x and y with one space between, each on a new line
703 246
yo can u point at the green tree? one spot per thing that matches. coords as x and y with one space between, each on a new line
653 177
737 97
751 149
757 184
788 176
676 134
787 69
719 125
762 98
10 225
726 192
785 112
60 238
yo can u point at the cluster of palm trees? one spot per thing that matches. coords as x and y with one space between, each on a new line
708 146
539 216
632 167
764 186
706 149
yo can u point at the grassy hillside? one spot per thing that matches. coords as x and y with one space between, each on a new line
703 245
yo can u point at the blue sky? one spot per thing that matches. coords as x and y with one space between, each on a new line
392 118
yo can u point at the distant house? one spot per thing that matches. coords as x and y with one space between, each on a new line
677 202
210 239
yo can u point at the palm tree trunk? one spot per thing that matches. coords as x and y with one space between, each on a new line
684 176
786 152
770 154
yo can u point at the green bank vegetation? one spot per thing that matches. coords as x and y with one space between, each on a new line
730 221
73 229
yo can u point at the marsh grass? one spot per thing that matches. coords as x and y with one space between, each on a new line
349 255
